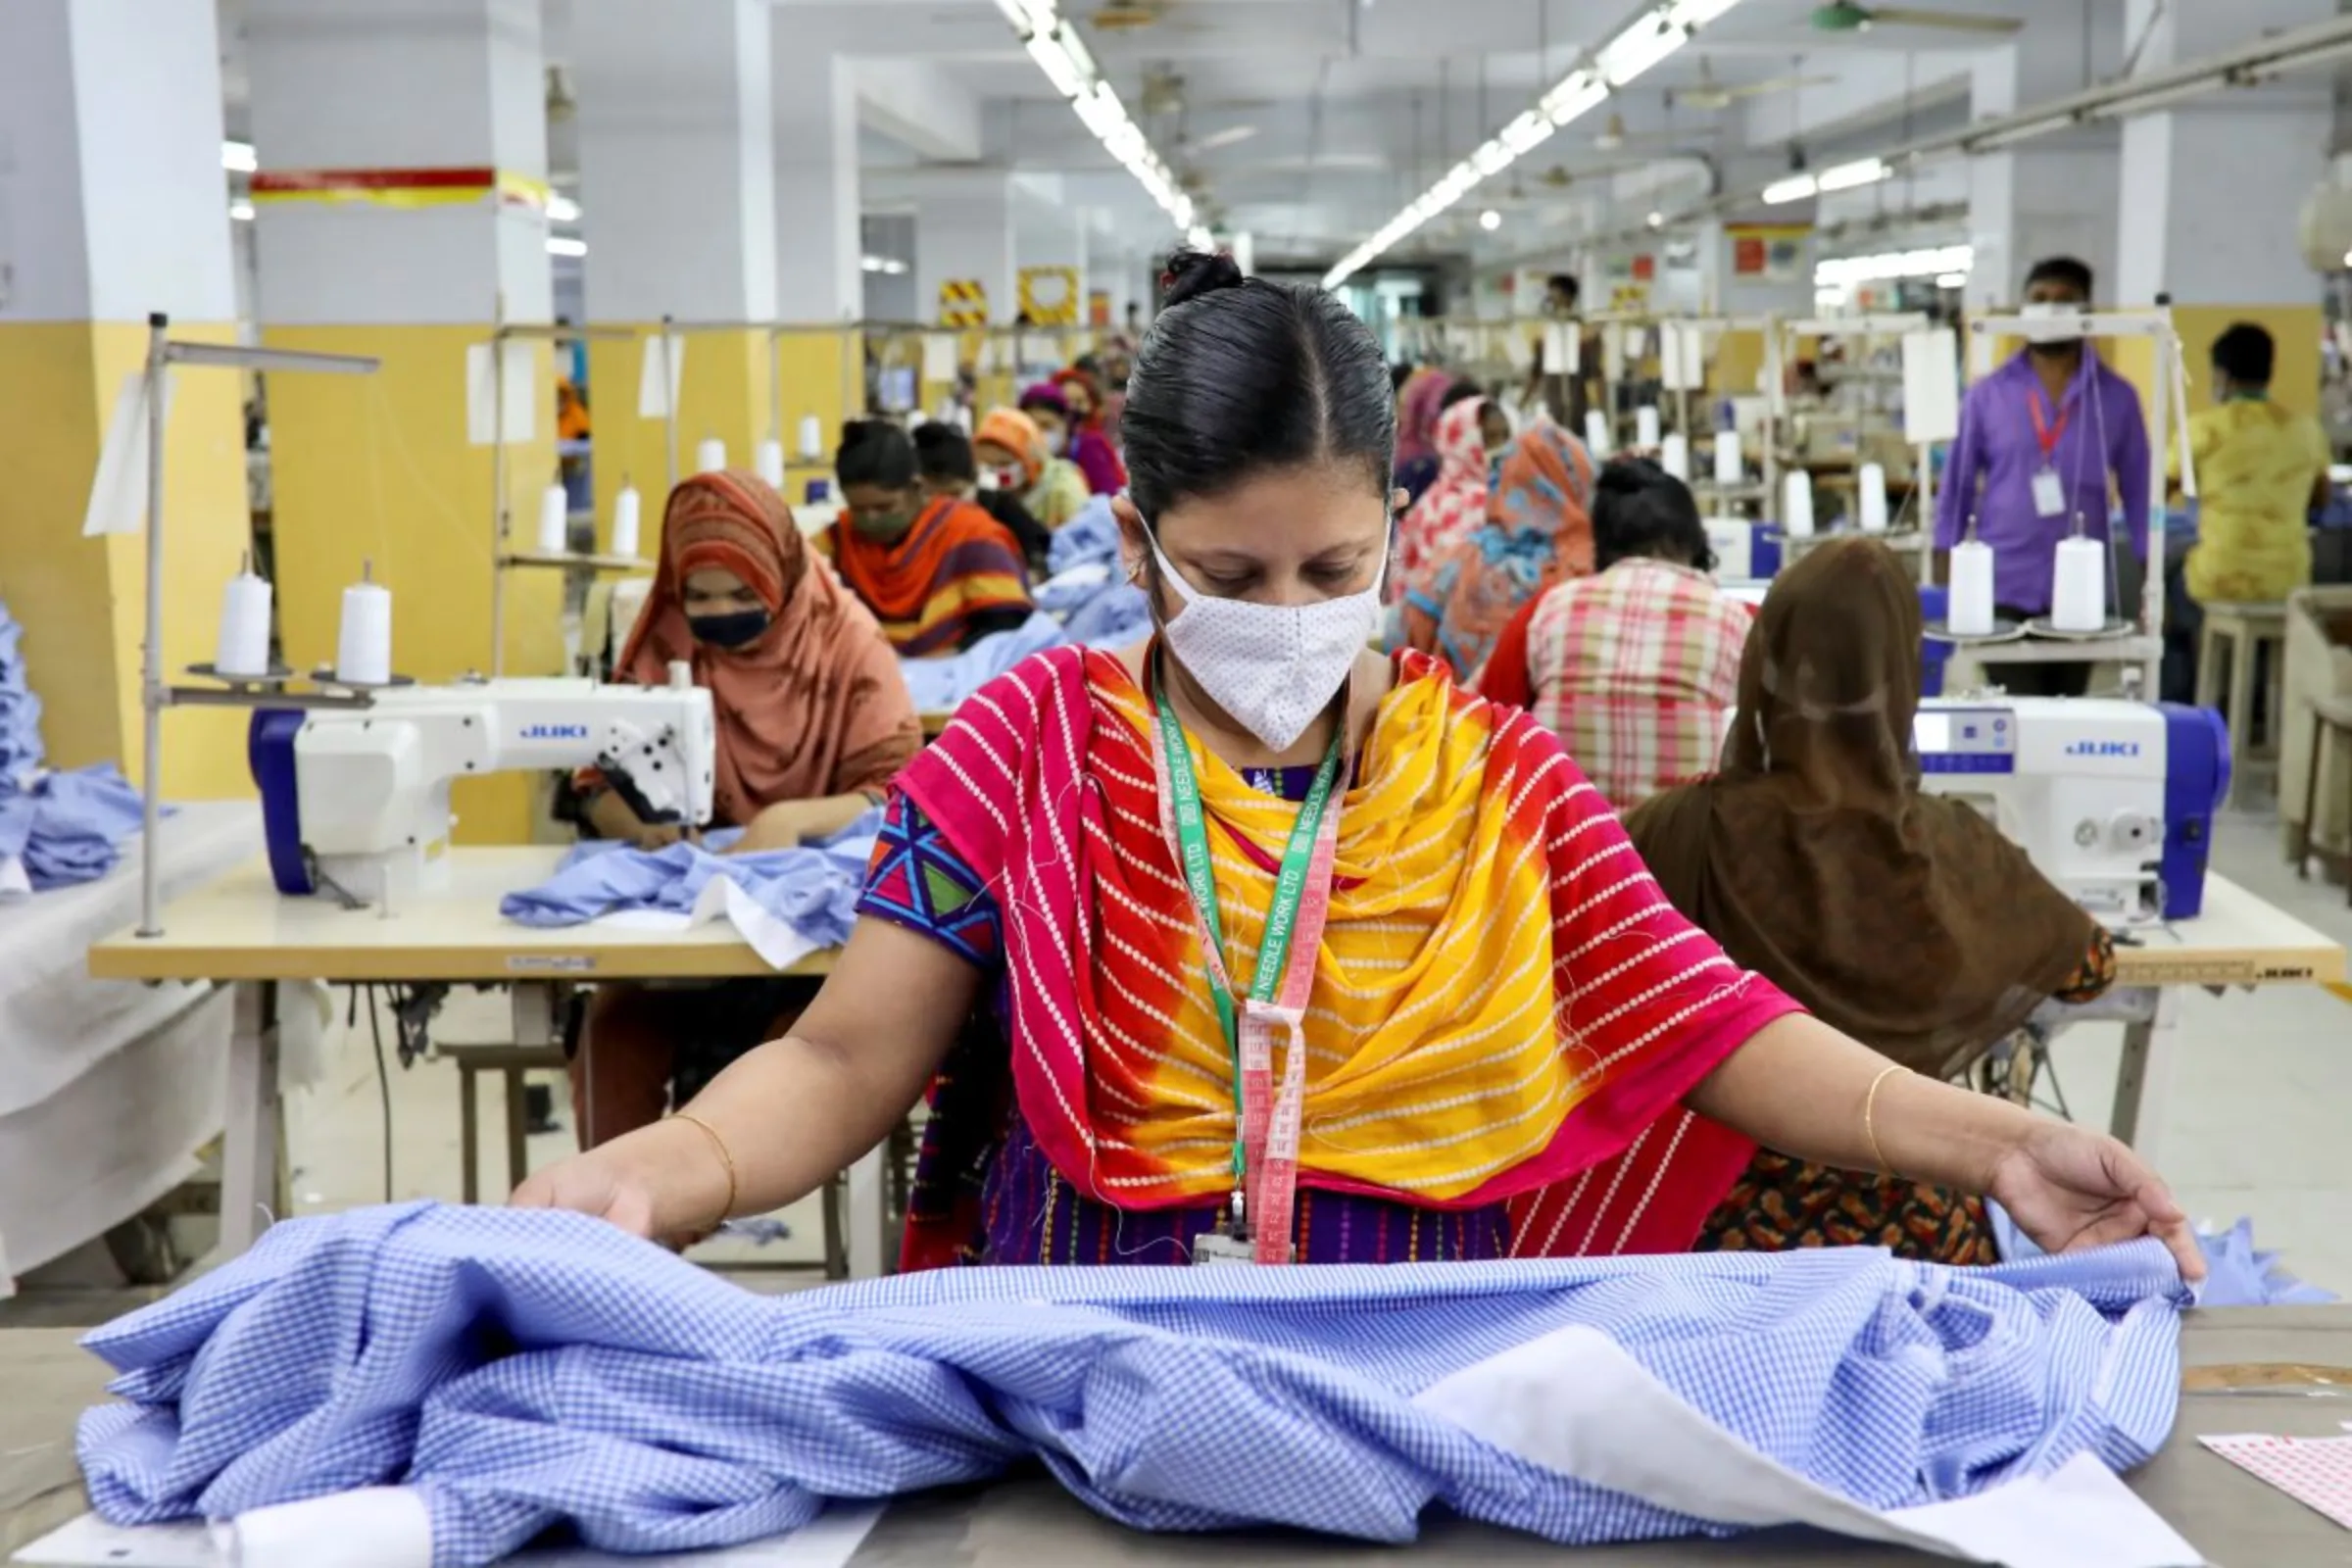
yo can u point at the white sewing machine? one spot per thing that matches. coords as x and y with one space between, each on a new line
356 799
2112 800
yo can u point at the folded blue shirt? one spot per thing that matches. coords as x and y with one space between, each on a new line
526 1368
939 685
1091 536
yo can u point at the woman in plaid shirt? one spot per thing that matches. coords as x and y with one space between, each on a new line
1634 668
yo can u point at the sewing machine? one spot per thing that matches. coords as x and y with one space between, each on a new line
1744 551
2112 800
355 800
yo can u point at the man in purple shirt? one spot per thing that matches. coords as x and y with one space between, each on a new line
2038 440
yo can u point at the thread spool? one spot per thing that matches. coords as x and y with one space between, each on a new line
1730 466
555 521
1596 434
1646 428
1674 455
767 460
1871 497
2078 586
364 639
625 509
709 455
1968 608
812 439
243 645
1796 503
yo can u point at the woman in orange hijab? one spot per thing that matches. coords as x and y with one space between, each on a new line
813 723
1011 450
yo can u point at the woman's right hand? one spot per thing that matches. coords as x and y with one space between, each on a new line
653 1183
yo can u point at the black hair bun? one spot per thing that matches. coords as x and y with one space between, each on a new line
1628 476
1192 273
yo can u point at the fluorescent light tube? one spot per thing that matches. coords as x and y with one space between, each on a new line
1795 188
1846 177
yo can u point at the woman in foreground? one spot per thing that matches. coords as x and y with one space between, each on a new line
1301 954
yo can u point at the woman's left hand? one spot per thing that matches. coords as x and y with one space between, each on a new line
782 827
2070 1188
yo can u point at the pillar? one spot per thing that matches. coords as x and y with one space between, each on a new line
1049 231
819 289
677 201
401 196
2213 191
963 232
113 204
2055 196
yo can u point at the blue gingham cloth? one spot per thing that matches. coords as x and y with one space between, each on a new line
527 1369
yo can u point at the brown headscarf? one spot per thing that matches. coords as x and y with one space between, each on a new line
812 707
1902 918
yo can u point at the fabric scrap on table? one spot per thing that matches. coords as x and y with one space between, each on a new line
525 1369
1091 536
64 829
787 903
939 685
1098 606
2236 1274
21 754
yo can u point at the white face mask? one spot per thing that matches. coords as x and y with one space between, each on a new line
1004 480
2051 310
1272 666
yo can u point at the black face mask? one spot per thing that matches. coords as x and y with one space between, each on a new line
735 629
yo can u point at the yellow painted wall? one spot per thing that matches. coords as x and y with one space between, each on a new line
725 390
1739 361
82 602
379 469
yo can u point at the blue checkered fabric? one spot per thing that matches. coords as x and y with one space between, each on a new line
528 1370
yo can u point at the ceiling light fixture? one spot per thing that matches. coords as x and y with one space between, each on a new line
1656 32
240 212
1795 188
560 245
1489 219
1850 176
237 156
1657 219
562 210
1063 55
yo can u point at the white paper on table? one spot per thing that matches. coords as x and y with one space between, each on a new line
657 399
1931 386
119 489
829 1540
483 424
939 356
1574 1402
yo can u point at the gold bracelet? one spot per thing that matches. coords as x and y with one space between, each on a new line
726 1209
1870 1124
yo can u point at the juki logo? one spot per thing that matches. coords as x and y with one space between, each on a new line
2102 749
555 732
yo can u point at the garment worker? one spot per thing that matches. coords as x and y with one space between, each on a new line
939 572
1537 531
1067 435
2042 441
2260 472
951 470
1420 401
1012 453
1472 432
1499 1036
1901 918
1633 667
813 723
1557 389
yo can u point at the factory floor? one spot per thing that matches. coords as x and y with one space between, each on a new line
2253 1124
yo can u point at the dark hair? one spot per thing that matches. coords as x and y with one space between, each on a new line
2245 353
1638 509
2061 270
1399 373
874 452
944 452
1566 283
1460 392
1241 377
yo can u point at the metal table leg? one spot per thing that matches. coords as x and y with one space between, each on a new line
2143 1078
869 1181
249 1156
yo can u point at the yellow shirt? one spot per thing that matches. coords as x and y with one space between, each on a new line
2256 467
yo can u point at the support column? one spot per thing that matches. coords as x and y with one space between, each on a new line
401 196
2212 192
963 230
2052 197
677 197
113 204
817 211
1048 232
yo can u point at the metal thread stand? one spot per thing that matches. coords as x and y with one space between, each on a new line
155 694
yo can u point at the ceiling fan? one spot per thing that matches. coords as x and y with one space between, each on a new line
1850 16
1133 15
1710 94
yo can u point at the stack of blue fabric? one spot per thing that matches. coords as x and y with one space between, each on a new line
941 684
523 1370
56 829
1098 606
812 889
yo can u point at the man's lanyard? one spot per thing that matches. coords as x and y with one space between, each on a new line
1265 1127
2044 432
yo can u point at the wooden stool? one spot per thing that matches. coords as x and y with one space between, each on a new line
512 1062
2242 631
2329 717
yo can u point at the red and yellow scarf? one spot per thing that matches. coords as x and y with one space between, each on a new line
955 563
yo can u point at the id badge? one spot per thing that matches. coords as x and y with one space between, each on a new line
1216 1247
2049 494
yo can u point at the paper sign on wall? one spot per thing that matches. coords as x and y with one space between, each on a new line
939 356
1563 348
119 490
483 425
657 396
1931 386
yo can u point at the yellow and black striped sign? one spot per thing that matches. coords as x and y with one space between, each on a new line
1049 295
963 302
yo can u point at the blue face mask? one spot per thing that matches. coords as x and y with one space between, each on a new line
736 629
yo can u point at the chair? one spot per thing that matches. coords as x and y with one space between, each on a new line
2331 720
2234 637
510 1061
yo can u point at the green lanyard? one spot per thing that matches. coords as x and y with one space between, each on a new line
1290 889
